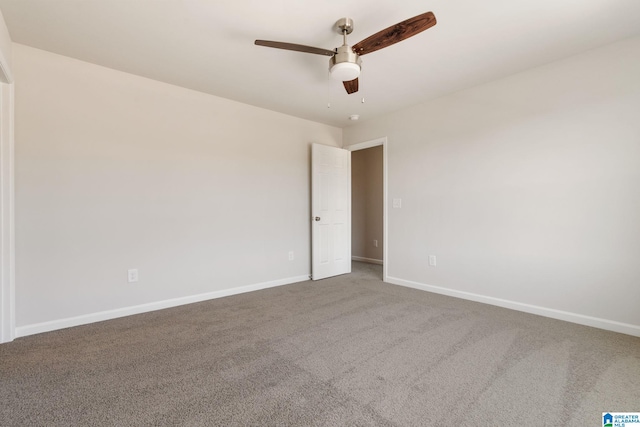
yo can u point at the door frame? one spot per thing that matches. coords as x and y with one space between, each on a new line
385 213
7 216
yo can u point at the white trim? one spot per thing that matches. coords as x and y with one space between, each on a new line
7 214
610 325
367 144
5 71
144 308
369 260
385 184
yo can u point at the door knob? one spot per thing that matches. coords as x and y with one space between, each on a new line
317 218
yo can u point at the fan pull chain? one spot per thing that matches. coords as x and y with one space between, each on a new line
328 89
362 101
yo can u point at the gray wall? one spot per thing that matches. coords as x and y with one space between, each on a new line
115 171
527 190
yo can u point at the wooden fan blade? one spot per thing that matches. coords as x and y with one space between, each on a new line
395 33
351 86
295 47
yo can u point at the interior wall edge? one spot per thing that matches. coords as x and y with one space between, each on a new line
7 195
7 204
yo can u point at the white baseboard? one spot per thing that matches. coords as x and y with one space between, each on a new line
610 325
369 260
53 325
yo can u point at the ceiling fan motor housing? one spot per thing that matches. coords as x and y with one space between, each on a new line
345 64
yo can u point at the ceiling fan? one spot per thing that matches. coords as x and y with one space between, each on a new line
345 63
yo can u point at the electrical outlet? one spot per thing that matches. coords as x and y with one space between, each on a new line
291 257
432 260
397 203
132 275
375 243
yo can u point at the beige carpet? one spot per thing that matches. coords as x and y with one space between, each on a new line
344 351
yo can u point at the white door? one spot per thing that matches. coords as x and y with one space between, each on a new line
330 211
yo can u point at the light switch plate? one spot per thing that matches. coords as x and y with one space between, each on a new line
397 203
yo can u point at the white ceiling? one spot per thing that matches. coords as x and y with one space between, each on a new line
208 45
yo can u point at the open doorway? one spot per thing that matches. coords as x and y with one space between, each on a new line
368 203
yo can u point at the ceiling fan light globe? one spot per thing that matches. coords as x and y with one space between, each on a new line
345 71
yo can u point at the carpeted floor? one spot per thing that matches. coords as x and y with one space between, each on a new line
350 350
